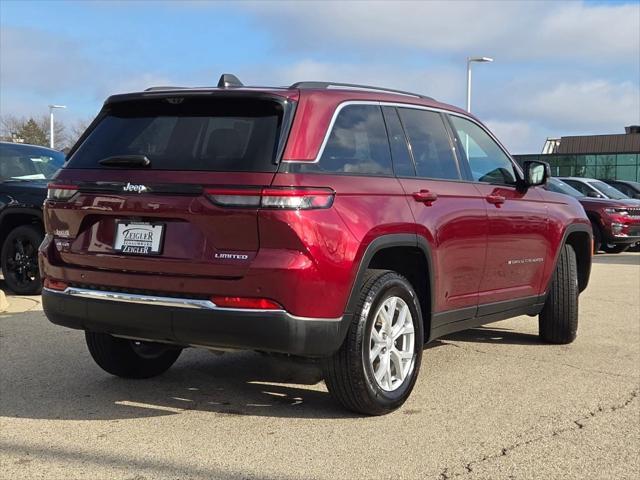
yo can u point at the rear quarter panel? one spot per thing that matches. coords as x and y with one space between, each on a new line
335 239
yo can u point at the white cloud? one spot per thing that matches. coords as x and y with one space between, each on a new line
443 83
517 136
41 62
593 105
561 67
524 114
37 62
516 30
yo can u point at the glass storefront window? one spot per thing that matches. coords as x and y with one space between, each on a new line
580 165
628 166
626 172
566 164
621 166
605 167
626 159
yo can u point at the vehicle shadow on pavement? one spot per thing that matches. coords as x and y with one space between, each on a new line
62 383
59 380
617 258
494 335
245 383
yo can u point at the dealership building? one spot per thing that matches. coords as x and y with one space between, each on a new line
594 156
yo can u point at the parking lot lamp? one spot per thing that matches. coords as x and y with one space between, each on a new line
470 60
51 107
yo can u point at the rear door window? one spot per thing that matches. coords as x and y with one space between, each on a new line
358 143
188 134
402 162
430 144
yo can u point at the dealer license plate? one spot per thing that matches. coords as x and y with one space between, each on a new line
139 238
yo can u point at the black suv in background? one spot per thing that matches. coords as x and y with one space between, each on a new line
629 188
24 173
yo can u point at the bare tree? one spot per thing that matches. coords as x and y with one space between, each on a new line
14 129
9 126
77 129
59 131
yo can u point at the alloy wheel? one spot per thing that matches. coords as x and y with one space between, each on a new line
22 262
392 344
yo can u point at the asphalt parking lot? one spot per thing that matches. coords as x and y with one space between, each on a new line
490 403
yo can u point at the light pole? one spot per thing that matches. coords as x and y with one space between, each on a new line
469 61
51 107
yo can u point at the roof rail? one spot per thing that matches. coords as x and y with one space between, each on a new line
153 89
353 86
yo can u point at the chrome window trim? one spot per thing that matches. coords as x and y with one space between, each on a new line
192 303
403 105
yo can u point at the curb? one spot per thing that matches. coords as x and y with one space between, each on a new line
3 301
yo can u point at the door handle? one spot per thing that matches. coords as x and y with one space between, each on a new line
496 200
425 196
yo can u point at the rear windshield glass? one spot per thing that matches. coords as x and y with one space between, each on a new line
187 134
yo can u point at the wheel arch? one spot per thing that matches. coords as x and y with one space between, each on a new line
410 256
580 237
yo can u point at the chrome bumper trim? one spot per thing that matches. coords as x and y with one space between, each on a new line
194 303
134 298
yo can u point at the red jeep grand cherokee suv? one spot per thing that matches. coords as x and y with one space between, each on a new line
344 223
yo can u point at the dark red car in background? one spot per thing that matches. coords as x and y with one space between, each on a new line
615 223
343 223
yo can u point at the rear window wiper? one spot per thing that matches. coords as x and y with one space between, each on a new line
125 161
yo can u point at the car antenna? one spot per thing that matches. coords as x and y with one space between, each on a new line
228 80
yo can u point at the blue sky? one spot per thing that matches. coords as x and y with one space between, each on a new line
560 67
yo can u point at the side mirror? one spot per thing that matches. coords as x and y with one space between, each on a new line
536 173
637 195
593 194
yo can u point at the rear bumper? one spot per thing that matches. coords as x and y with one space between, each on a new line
196 323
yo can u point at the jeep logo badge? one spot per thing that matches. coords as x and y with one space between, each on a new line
134 188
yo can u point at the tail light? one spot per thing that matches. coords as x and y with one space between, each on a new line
245 302
279 198
57 285
61 193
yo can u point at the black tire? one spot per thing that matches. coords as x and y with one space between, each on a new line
597 237
558 320
616 248
349 374
128 358
20 260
